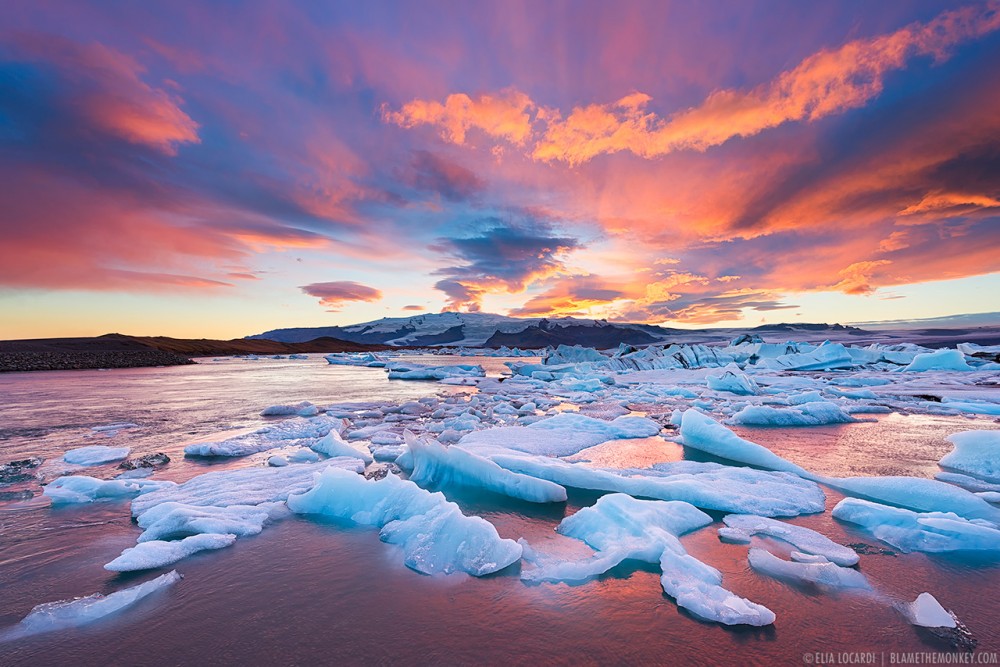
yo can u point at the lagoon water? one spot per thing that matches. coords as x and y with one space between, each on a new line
313 592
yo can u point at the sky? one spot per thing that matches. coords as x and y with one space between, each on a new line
218 169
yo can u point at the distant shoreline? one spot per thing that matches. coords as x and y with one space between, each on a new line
120 351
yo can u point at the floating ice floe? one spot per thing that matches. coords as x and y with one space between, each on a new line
619 527
940 360
83 489
706 485
907 530
434 534
814 413
80 611
433 463
734 382
927 612
916 493
95 455
564 434
740 527
274 435
976 453
248 486
171 521
303 409
699 431
407 371
356 359
824 573
333 445
158 553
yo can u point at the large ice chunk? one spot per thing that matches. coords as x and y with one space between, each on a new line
919 531
564 434
740 527
814 413
157 553
333 445
80 611
408 371
697 587
177 520
927 612
95 455
734 382
83 489
704 433
619 527
940 360
434 534
249 486
274 435
826 574
916 493
433 463
976 453
706 485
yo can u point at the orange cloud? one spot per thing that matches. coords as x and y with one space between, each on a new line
828 82
505 115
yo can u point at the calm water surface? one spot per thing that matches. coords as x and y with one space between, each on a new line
308 592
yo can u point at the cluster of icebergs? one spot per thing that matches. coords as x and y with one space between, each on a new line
525 437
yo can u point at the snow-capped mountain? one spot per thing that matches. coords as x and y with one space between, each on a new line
472 330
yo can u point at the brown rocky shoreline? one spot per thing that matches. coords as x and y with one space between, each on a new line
120 351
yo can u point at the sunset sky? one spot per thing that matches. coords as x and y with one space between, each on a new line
217 169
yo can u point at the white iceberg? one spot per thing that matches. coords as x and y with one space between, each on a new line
706 485
333 445
407 371
157 553
434 534
932 532
83 489
433 463
704 433
940 360
177 520
740 527
927 612
733 382
95 455
814 413
827 574
916 493
976 453
80 611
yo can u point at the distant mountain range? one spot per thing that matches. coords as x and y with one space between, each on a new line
490 330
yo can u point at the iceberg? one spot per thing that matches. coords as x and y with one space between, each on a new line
933 532
434 534
827 574
275 435
303 409
976 453
619 527
333 445
157 553
248 486
433 463
940 360
95 455
916 493
83 489
704 433
177 520
707 485
697 587
401 371
733 382
927 612
740 527
80 611
814 413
